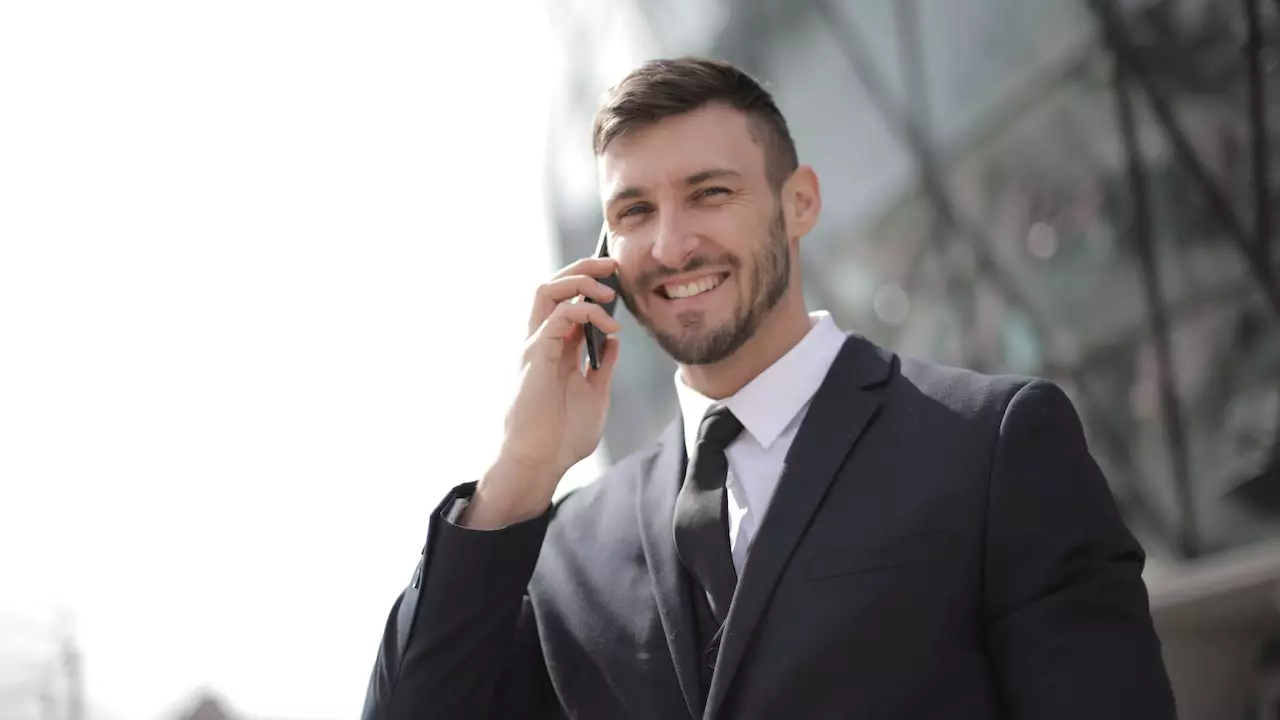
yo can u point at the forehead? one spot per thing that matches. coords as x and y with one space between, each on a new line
671 149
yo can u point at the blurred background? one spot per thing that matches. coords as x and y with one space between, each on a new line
264 267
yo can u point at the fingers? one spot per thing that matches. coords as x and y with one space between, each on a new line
571 348
565 324
567 286
569 315
595 267
599 379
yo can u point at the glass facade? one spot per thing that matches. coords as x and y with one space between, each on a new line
1076 190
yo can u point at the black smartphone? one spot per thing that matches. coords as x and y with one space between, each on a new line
596 336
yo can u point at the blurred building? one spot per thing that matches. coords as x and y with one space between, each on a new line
1076 189
41 669
207 706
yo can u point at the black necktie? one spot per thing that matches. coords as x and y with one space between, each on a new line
702 516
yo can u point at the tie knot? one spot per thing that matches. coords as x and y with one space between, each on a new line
719 428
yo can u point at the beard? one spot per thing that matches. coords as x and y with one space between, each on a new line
697 344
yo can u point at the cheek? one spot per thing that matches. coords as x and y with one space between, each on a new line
632 258
736 232
630 290
627 252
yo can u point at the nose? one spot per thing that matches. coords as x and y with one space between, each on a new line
673 243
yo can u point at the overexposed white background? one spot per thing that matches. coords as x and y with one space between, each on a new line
263 278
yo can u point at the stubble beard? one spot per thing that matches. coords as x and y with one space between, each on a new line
697 344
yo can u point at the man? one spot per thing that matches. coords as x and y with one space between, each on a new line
826 531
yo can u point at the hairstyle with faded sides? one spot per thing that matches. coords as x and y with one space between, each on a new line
660 89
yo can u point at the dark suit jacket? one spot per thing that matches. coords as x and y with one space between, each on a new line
941 545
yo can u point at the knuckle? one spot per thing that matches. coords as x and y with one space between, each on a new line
561 288
566 310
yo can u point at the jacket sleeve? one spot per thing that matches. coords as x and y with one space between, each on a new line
460 641
1067 615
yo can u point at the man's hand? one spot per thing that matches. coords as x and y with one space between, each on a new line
557 416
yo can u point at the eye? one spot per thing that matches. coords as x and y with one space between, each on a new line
708 192
634 210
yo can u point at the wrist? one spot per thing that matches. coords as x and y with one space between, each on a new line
510 491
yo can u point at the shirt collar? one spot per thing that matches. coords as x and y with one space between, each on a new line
767 405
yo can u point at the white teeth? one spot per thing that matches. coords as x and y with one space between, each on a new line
693 288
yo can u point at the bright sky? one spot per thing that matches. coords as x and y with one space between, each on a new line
263 273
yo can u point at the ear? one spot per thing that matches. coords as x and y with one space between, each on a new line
802 201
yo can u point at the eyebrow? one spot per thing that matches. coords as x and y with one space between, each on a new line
628 193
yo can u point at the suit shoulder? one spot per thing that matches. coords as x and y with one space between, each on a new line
967 392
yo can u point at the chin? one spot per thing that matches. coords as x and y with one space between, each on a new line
702 346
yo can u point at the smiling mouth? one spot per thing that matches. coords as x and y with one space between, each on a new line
679 291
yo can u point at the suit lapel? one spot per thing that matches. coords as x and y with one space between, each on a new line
656 508
837 416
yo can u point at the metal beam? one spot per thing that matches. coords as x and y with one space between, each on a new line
1258 130
911 56
1143 235
1113 31
916 86
847 36
1121 344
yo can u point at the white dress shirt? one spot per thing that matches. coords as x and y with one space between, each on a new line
770 408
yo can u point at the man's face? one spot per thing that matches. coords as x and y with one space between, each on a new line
699 235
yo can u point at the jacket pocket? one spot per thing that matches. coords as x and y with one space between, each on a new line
894 553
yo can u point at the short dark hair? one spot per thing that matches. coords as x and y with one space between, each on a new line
660 89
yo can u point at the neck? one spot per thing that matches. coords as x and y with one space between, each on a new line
781 329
